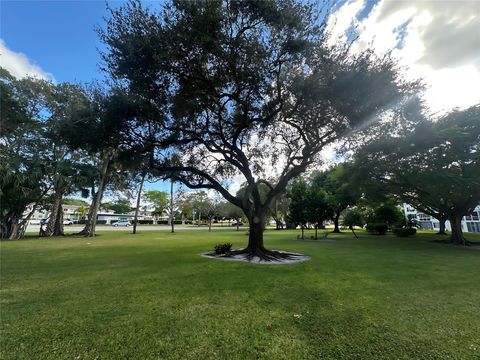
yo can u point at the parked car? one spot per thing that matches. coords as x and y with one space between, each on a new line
237 223
43 222
67 222
121 223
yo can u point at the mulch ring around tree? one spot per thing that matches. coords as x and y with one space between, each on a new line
280 258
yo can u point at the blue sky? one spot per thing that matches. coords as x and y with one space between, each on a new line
439 41
59 37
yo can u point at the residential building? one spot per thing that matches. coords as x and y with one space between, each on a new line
470 223
70 213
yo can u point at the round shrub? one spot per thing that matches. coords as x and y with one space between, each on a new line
377 228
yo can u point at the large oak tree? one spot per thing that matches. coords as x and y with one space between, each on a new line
243 88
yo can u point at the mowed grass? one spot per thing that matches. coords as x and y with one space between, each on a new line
150 296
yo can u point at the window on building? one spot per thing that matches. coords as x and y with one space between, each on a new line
423 217
425 225
473 226
472 217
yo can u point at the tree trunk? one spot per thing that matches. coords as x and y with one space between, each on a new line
255 246
457 233
58 229
277 222
89 229
135 219
17 227
302 231
172 218
210 225
353 232
255 234
316 232
13 231
335 222
57 209
14 227
441 231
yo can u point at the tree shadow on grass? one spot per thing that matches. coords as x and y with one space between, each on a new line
333 327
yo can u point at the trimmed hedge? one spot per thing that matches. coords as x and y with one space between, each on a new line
101 222
145 221
165 222
377 228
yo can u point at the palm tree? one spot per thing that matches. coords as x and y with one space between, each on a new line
81 212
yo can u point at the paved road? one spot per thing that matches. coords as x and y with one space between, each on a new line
76 228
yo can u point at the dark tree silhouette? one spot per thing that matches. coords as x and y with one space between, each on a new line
243 88
435 167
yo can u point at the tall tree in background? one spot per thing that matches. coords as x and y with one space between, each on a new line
231 212
435 167
135 164
317 207
297 211
353 218
158 199
63 102
24 180
279 211
238 87
341 192
100 130
119 206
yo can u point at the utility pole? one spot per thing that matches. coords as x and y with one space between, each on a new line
135 220
172 220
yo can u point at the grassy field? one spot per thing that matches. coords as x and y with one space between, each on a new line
151 296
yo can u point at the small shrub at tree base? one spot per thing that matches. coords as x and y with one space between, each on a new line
377 228
404 232
223 249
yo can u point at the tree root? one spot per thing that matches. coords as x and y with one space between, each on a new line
451 242
264 254
83 233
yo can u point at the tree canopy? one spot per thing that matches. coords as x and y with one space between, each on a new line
241 88
435 167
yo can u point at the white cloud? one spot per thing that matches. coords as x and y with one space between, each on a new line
343 19
437 40
19 65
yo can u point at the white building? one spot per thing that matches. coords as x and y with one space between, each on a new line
70 213
470 223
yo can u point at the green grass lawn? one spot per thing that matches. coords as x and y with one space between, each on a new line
151 296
